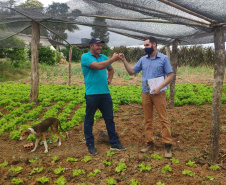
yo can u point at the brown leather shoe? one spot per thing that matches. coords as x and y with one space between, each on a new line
168 152
148 147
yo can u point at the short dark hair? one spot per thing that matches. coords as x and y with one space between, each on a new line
152 40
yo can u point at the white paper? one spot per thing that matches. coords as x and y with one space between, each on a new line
155 82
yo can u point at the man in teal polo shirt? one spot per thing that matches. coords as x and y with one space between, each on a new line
94 68
155 67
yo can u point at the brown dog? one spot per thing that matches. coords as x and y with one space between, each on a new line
39 129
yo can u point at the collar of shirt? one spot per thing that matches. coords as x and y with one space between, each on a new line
93 55
157 56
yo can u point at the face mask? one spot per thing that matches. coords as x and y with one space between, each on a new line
149 51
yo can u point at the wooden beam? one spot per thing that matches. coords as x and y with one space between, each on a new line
187 11
15 33
174 63
34 62
69 67
154 10
148 20
219 70
40 24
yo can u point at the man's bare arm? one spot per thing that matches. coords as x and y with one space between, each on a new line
104 64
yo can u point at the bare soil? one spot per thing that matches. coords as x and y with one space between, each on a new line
190 126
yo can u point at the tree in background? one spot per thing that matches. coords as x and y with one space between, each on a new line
60 11
101 33
14 50
31 4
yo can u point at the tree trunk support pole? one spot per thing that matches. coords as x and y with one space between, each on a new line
34 62
219 68
69 67
174 63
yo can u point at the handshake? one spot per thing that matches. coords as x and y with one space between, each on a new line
118 56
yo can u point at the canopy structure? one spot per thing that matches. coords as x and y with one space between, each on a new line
189 21
170 21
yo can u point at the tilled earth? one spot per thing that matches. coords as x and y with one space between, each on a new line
190 126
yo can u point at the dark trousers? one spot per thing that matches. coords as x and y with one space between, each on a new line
103 102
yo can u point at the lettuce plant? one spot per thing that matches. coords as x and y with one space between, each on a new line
190 163
59 170
5 163
78 172
60 181
166 168
110 181
86 159
121 167
43 179
94 173
188 172
71 159
144 168
17 181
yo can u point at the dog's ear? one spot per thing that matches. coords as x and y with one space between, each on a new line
27 132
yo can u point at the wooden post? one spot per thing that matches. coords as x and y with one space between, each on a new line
34 61
219 43
69 67
168 52
174 63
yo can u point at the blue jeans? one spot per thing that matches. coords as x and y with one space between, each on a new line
103 102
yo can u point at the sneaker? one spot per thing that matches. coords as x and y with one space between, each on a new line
92 150
168 152
117 146
148 148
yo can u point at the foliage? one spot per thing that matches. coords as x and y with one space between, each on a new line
134 182
46 55
36 170
156 156
15 170
101 33
14 135
190 163
59 10
121 167
78 172
166 168
160 183
31 138
210 177
94 173
5 163
107 163
60 181
110 181
31 4
16 55
131 54
43 179
110 153
17 181
144 168
59 170
54 159
86 159
188 172
214 167
176 161
32 161
194 56
71 159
